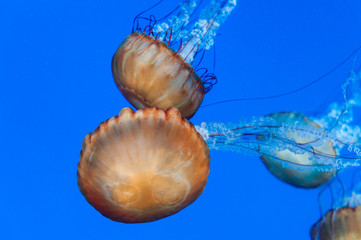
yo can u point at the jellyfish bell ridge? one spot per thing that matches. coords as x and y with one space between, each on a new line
294 168
143 166
149 73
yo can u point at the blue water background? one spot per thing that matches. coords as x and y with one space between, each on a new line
56 86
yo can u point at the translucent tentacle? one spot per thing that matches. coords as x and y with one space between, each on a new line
265 135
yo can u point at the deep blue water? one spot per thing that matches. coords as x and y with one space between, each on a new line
56 86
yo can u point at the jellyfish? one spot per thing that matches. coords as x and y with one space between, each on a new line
298 150
300 170
143 166
343 220
292 147
150 72
341 224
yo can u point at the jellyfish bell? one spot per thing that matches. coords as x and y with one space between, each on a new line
149 73
340 224
153 65
343 220
300 169
143 166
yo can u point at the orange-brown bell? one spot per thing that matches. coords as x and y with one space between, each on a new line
341 224
143 166
150 74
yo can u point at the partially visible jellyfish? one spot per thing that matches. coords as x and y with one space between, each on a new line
302 152
143 166
339 224
153 66
343 220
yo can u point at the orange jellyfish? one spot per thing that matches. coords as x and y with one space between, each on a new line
143 166
340 224
343 221
150 73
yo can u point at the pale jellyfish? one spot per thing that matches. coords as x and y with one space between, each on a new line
298 150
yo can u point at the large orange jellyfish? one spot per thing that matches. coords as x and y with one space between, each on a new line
150 73
143 166
343 221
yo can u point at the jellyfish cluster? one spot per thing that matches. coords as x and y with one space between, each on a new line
146 165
